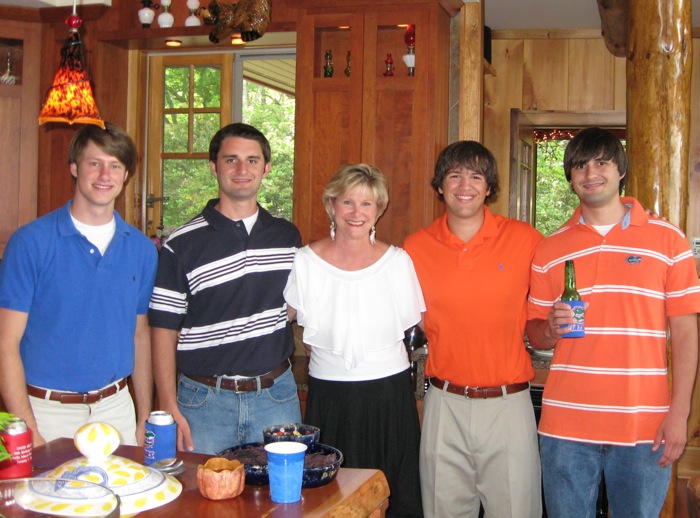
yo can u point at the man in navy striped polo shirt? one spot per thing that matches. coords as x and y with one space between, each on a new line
220 333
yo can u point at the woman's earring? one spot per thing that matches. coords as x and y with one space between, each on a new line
372 234
332 230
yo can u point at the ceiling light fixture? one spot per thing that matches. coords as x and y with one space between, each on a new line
173 43
70 99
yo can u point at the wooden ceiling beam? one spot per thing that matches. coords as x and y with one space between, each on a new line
615 24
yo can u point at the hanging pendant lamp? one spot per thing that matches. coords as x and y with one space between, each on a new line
70 99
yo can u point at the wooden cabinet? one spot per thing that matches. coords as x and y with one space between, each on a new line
397 123
19 108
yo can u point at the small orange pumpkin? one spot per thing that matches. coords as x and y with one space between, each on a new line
220 478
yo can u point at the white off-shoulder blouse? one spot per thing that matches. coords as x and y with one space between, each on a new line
355 320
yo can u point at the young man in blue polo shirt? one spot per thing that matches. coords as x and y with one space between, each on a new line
74 292
221 338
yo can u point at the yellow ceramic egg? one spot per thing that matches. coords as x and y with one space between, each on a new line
96 441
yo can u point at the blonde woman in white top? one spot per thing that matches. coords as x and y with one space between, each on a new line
355 296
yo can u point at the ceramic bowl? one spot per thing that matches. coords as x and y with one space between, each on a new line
303 433
328 459
254 460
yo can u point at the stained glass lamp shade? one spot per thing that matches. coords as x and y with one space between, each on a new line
70 98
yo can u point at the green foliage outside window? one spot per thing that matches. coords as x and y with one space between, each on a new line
187 182
272 113
555 202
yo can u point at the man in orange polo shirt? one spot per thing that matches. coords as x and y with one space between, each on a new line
479 438
606 407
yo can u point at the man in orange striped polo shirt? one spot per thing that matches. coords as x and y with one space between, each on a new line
606 408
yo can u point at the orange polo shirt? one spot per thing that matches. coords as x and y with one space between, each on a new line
476 297
611 386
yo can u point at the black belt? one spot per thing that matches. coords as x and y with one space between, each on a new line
243 384
75 398
479 392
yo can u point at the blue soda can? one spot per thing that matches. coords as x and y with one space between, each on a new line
161 434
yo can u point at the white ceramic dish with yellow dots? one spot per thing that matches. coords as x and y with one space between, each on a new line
139 487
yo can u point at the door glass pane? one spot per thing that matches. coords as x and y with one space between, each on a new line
177 91
187 186
207 87
205 126
272 112
175 132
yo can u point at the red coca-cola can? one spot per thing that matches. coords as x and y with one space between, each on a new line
17 438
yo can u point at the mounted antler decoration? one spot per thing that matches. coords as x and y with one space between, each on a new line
249 17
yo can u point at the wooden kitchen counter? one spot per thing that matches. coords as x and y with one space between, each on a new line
354 492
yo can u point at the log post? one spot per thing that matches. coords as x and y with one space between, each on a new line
659 60
659 64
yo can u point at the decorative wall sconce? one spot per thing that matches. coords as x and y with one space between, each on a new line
147 13
165 19
410 39
193 20
70 98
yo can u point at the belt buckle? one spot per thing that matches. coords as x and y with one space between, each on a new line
86 395
479 392
235 385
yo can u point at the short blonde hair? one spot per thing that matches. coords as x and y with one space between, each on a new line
353 175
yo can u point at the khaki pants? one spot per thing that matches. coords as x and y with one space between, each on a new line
55 419
479 450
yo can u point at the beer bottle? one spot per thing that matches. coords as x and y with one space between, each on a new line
571 297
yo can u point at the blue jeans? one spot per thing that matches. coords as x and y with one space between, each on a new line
571 471
221 419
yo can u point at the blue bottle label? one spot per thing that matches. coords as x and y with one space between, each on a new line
578 329
159 442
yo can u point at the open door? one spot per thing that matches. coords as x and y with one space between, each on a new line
522 167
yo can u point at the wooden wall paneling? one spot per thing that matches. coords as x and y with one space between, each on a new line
398 123
395 113
10 143
545 74
591 75
399 119
19 107
471 116
501 93
328 112
136 127
620 88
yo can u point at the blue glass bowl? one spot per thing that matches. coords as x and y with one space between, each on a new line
256 473
303 433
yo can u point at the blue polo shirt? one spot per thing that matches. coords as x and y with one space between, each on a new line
82 306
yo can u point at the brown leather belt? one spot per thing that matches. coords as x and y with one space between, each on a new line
75 398
479 392
244 384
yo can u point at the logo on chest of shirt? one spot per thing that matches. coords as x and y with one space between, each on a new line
633 259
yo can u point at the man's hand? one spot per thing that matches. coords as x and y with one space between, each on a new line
672 434
184 436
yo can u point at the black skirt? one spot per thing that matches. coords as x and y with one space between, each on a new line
374 423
